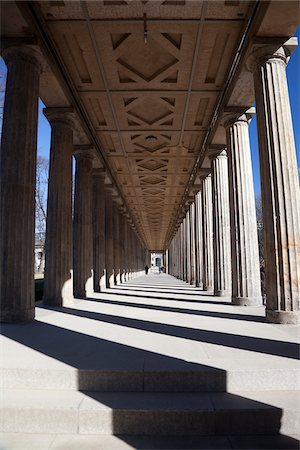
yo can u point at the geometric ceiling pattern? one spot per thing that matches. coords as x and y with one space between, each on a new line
149 75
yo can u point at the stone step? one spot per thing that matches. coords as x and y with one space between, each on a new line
40 441
124 413
175 379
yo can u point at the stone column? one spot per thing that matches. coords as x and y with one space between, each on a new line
130 256
246 289
83 225
188 247
17 178
167 261
221 225
126 251
279 180
109 247
207 224
121 244
129 251
116 239
58 282
192 244
198 241
183 254
178 259
99 230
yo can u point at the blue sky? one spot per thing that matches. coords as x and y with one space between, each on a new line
293 76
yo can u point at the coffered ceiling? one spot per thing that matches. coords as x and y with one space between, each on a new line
148 77
149 74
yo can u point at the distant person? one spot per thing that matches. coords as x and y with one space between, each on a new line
146 270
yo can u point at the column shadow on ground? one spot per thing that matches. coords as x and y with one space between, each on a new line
120 292
217 314
194 293
85 353
254 344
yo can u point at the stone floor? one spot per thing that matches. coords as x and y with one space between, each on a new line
151 334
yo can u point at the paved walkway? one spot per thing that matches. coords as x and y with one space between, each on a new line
153 323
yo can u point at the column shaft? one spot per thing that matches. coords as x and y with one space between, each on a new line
207 223
17 177
99 232
58 282
83 226
221 226
116 239
198 241
192 243
279 184
244 243
109 247
121 243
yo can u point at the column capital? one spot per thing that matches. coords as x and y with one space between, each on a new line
84 152
110 189
214 151
234 114
61 115
277 49
123 210
23 49
195 189
99 173
203 172
117 199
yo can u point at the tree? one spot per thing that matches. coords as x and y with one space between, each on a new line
260 235
2 96
41 190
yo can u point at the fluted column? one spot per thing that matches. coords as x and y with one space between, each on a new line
207 233
116 234
188 246
121 243
109 247
130 255
17 178
246 288
183 268
178 252
183 246
221 225
126 247
192 243
279 180
98 230
83 225
58 282
198 241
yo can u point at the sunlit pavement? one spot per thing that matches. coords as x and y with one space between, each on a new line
152 334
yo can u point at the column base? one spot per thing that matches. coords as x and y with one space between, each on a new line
283 317
222 293
81 295
25 315
52 301
207 288
247 301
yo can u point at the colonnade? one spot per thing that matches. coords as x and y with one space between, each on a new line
225 220
94 244
89 245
